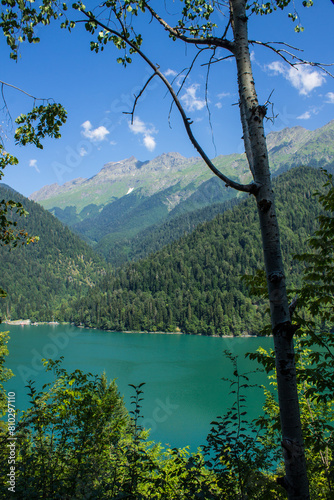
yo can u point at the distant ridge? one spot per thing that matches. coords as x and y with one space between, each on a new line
129 196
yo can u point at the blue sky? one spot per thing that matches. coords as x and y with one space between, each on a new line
95 91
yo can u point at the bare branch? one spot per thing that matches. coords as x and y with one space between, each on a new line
292 59
5 108
185 78
24 92
138 97
247 188
206 98
218 60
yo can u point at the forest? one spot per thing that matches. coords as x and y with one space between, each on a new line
194 285
39 277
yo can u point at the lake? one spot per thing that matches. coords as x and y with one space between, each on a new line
183 374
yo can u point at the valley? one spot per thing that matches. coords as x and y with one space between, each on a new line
128 202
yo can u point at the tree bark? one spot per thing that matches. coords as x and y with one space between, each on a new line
295 481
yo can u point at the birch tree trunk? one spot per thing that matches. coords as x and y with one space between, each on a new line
252 116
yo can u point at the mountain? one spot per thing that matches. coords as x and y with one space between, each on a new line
114 209
39 277
195 284
118 179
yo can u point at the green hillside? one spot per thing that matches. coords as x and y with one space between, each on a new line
153 238
38 278
194 284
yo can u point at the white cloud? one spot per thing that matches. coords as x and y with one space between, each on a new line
303 78
304 116
95 135
223 94
190 100
149 142
170 72
33 164
330 97
139 127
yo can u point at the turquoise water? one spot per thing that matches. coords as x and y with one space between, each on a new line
184 389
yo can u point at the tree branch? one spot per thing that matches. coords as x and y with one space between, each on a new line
24 92
207 100
218 42
289 57
247 188
185 78
137 97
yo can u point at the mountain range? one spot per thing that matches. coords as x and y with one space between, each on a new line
129 201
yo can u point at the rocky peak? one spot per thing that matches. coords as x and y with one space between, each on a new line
54 189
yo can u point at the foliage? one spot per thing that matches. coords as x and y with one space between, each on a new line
269 7
51 117
8 235
67 436
317 419
76 440
19 19
5 373
237 450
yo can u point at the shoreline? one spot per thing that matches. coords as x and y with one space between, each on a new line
28 322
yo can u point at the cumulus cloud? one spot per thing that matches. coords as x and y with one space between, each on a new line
149 142
330 97
170 72
190 100
303 78
139 127
304 116
33 164
95 135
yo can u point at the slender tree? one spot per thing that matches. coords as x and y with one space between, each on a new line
195 28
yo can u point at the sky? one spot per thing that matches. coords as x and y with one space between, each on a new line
97 92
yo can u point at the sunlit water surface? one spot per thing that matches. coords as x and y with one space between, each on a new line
183 374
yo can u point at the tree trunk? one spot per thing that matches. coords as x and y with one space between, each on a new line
252 116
